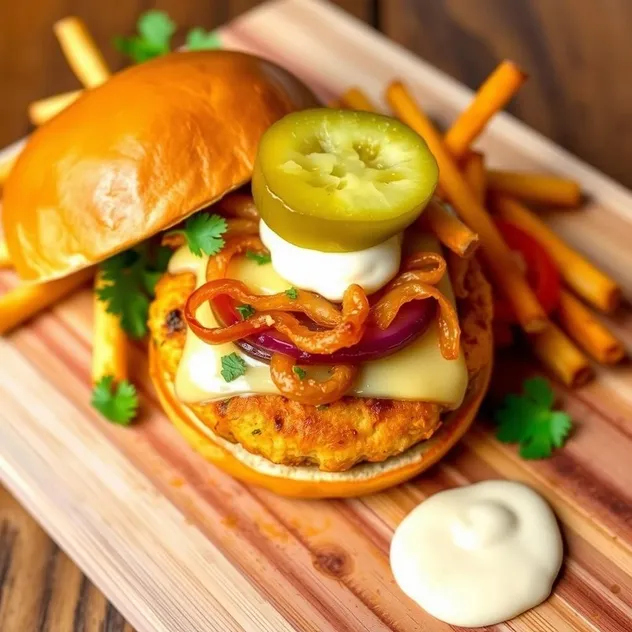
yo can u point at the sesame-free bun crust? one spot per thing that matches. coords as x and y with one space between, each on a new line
139 154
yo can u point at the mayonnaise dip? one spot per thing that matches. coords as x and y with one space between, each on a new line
478 555
331 273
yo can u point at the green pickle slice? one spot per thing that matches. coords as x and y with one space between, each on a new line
339 180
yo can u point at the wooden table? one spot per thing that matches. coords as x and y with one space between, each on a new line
574 52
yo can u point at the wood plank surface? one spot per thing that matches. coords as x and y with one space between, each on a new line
41 588
240 558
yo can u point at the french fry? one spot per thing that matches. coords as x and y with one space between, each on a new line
561 357
536 188
81 52
5 259
45 109
355 99
588 332
499 258
593 285
475 174
492 96
109 347
449 229
25 301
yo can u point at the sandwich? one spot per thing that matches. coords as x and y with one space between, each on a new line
319 323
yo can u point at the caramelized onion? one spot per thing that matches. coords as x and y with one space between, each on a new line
385 310
217 266
239 205
319 309
309 390
349 331
421 267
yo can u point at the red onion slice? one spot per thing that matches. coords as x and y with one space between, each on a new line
412 320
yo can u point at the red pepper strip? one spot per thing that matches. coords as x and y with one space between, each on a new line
542 273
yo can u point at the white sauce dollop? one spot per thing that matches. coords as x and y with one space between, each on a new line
478 555
331 273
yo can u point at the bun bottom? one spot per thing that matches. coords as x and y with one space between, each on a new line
310 482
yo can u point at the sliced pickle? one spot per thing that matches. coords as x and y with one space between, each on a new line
339 181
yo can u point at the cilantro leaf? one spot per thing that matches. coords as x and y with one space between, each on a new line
539 391
117 403
233 366
155 30
261 259
128 283
302 374
246 311
203 233
199 39
528 420
156 27
292 293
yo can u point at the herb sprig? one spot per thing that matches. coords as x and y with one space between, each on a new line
530 421
155 30
233 366
118 403
260 258
203 233
129 282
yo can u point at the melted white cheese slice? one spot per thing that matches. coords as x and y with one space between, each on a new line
417 372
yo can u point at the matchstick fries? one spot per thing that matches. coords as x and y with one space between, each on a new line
470 182
45 109
499 259
25 301
492 96
109 342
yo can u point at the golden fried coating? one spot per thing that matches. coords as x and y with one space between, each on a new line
335 437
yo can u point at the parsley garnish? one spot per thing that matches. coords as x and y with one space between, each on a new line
118 404
233 367
292 293
199 39
261 259
129 282
246 311
203 233
155 30
302 374
529 420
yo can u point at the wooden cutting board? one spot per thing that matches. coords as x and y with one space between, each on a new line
179 546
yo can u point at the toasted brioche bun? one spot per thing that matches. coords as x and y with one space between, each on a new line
310 482
139 154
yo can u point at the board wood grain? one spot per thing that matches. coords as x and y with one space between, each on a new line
177 545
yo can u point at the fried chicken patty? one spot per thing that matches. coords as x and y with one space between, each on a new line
335 437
